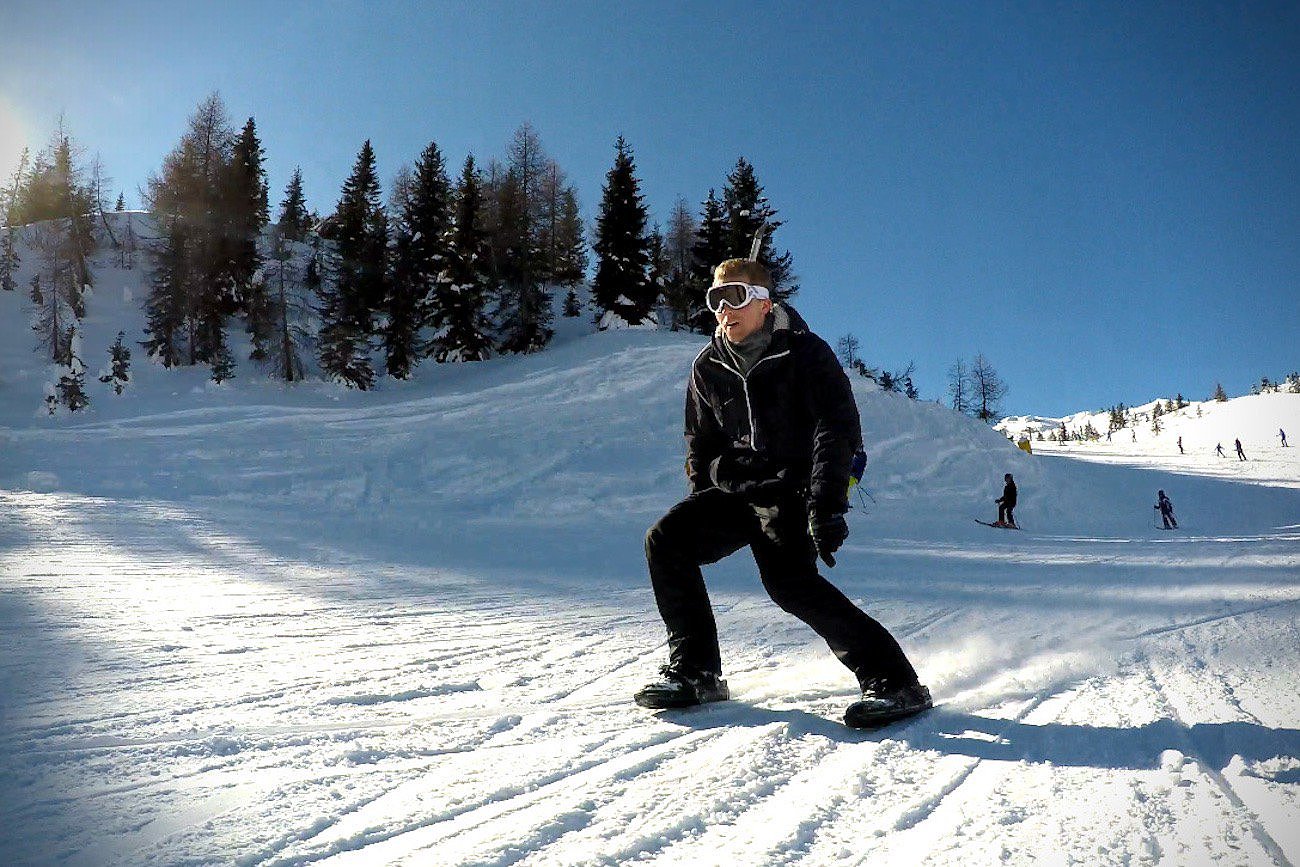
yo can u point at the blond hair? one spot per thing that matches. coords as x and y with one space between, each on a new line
742 271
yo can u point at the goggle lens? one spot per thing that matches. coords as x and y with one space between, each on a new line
734 295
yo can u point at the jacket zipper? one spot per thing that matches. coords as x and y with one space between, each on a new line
744 384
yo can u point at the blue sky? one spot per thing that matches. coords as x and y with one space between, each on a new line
1104 199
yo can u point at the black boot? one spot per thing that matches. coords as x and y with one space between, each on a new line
679 688
883 703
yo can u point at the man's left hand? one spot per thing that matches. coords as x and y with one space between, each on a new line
828 532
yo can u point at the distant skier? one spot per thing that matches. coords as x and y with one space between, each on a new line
1218 449
1166 511
1180 446
1135 434
1241 456
1282 434
1007 503
771 435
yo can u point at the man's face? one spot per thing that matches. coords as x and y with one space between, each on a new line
739 323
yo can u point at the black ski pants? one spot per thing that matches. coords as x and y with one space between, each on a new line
710 525
1005 516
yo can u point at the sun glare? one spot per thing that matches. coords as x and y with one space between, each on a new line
13 137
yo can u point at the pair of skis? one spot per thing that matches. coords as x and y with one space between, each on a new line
997 526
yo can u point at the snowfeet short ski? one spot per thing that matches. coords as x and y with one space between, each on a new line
682 689
882 704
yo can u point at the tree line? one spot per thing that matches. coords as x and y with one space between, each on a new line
448 270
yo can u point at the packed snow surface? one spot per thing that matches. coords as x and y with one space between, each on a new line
261 624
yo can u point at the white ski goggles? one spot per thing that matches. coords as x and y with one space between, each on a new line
733 295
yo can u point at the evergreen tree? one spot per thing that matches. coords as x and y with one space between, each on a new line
909 389
747 209
71 387
572 305
1219 394
246 206
710 250
294 220
118 373
167 307
223 363
354 287
461 330
621 290
121 203
427 220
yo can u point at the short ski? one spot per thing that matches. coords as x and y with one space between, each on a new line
996 526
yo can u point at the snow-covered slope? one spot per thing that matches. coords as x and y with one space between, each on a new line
1256 420
262 624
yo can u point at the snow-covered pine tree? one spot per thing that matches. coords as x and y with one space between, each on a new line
1219 394
621 291
71 386
118 372
421 257
572 304
223 362
461 329
746 209
353 288
294 220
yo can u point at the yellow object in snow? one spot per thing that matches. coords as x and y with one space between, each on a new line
1026 445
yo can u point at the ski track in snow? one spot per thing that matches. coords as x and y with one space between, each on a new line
205 710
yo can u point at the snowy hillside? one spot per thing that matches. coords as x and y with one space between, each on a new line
262 624
1201 426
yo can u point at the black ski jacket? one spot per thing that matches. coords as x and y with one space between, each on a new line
790 426
1008 497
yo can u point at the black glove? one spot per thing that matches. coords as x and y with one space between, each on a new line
829 530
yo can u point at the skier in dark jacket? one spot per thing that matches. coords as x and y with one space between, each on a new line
771 434
1241 455
1007 503
1166 511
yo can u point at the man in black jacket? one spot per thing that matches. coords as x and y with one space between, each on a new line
771 431
1007 503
